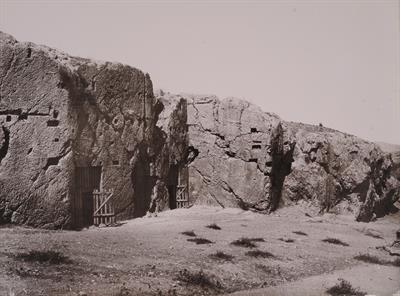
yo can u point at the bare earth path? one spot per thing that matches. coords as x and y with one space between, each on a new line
149 256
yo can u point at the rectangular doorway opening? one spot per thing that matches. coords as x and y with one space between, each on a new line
173 175
87 179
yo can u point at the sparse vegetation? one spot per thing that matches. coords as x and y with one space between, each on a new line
300 233
260 254
199 279
123 291
257 239
287 240
344 288
213 226
335 241
374 235
266 269
199 241
189 233
219 255
375 260
49 256
370 259
244 242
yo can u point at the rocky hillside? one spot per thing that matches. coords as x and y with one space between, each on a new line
244 157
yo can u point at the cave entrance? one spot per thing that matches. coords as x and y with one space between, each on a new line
87 179
173 179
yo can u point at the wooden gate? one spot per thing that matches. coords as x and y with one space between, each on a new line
182 200
103 208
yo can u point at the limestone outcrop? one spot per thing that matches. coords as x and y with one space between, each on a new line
71 125
338 172
248 158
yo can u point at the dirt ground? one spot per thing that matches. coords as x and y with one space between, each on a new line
151 256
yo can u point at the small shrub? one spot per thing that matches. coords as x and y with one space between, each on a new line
300 233
287 240
200 279
213 226
219 255
199 241
51 257
244 242
344 288
189 233
335 241
260 254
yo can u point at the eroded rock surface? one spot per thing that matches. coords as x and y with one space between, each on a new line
70 125
242 156
340 173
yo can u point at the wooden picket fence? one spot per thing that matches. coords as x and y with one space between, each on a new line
103 208
182 200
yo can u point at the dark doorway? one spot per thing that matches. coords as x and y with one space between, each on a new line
173 179
143 185
87 179
87 209
172 196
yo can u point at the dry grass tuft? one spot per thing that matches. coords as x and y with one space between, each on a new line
260 254
244 242
335 241
199 279
189 233
287 240
199 241
49 256
300 233
374 235
219 255
375 260
213 226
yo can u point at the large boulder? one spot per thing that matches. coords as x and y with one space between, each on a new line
70 125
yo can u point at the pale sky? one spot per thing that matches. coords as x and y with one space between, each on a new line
334 62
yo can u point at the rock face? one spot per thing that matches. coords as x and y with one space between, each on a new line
71 125
242 156
394 151
340 173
